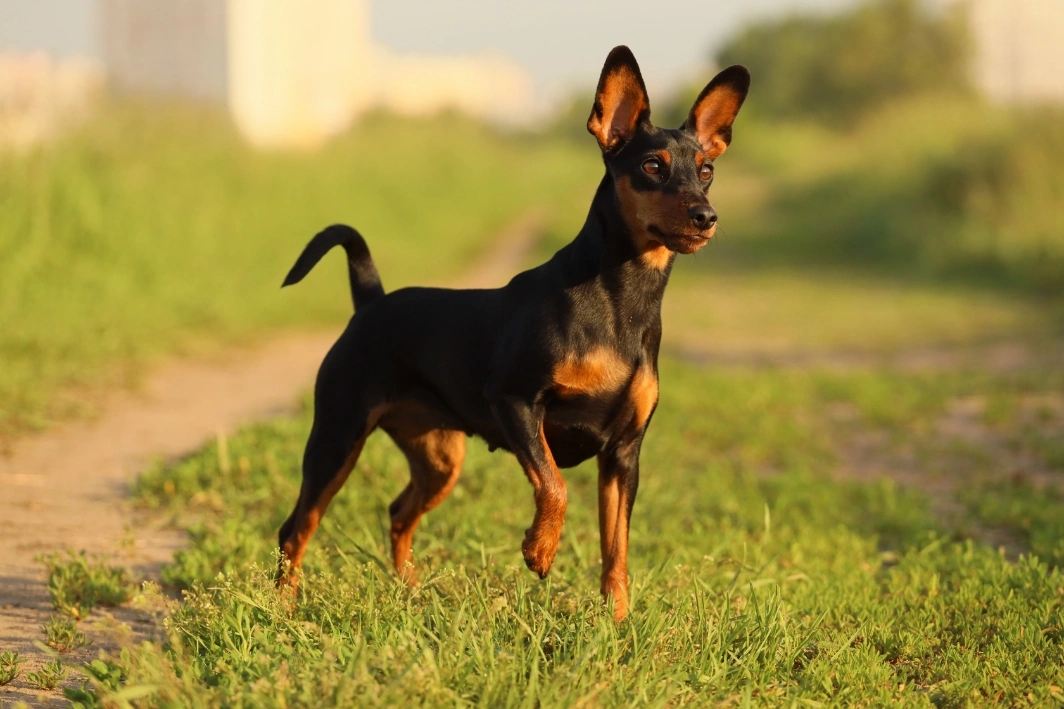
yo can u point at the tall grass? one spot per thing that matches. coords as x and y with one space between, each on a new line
154 229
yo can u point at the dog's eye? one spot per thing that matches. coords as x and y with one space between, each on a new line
652 166
706 172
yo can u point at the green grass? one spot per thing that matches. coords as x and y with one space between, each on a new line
49 676
62 635
787 312
154 230
10 666
77 584
762 575
757 577
931 188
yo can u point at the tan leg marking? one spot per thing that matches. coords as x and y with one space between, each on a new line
435 456
613 536
643 395
541 539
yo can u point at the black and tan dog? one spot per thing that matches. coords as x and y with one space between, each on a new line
558 366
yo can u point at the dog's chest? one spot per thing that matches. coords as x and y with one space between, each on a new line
597 397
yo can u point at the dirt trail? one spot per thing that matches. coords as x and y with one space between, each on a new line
68 487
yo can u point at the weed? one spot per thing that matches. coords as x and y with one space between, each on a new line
77 584
63 636
103 677
10 666
49 676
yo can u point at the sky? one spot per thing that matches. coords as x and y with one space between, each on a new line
562 43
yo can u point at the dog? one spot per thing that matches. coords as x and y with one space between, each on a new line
558 366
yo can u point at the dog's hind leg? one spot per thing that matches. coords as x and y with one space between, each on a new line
332 451
435 456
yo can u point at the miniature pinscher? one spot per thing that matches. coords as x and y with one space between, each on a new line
558 366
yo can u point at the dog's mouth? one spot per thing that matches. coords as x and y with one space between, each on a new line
685 241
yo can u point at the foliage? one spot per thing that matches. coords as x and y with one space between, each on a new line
103 677
49 676
62 635
10 666
77 584
833 68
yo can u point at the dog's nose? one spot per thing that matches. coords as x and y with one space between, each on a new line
702 216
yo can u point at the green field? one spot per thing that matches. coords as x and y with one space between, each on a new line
758 577
852 492
153 230
821 521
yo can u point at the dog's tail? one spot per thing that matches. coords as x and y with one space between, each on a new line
365 282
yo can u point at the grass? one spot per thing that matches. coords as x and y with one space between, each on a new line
78 584
931 189
10 666
154 230
773 562
63 636
49 676
102 677
758 577
787 312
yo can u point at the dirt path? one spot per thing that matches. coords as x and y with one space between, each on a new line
68 487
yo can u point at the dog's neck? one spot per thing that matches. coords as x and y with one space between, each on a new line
604 251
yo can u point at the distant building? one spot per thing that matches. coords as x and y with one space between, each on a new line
40 97
294 73
1019 47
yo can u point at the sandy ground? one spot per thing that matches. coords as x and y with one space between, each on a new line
68 487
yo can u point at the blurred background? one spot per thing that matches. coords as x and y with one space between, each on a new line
893 196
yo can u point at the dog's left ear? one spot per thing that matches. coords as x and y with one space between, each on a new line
716 107
621 102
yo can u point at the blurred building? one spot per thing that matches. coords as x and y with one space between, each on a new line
40 96
1019 53
293 73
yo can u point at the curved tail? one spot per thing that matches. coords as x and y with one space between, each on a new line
365 282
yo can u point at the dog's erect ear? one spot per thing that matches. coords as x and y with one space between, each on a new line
715 109
621 102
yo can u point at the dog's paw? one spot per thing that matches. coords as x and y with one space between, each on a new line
539 555
616 590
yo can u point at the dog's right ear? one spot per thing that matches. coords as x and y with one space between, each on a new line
621 102
715 109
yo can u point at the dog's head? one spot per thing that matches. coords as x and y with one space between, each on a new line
662 176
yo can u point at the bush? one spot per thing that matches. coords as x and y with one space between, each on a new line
834 68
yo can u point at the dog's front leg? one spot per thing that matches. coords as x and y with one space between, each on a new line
522 426
617 485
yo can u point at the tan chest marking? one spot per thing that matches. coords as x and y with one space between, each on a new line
597 372
643 394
